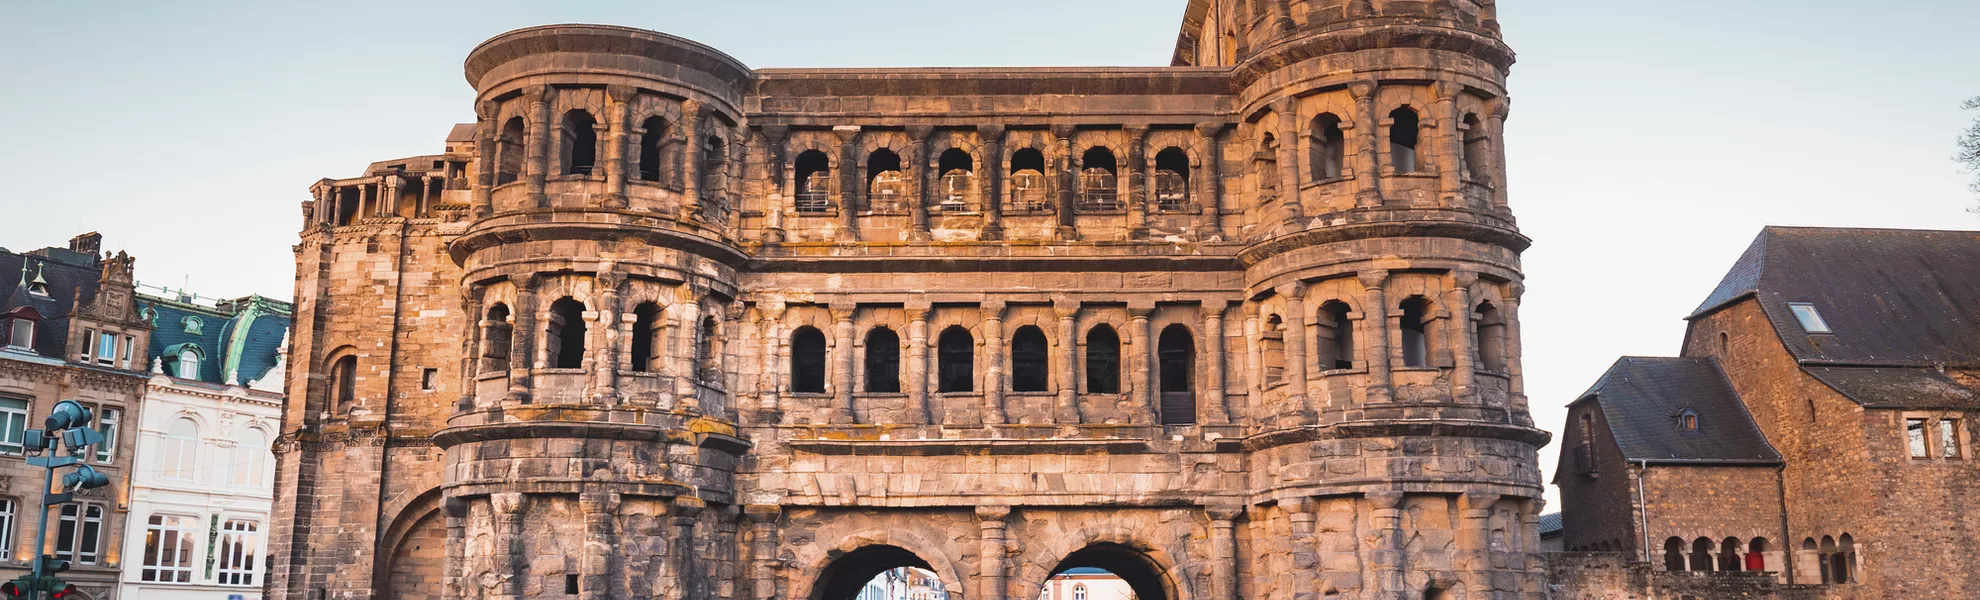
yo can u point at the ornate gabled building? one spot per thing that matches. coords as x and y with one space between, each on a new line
660 325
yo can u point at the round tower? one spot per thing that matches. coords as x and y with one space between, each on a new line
598 427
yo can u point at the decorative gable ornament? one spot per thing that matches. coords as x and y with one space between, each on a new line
193 325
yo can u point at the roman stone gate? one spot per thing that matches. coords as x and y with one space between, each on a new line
659 325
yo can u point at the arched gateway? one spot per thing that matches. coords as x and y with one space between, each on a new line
662 326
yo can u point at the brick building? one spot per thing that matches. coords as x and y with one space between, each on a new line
69 330
661 325
1816 426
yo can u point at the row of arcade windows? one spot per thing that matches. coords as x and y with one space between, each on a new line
658 157
565 338
1328 147
1335 348
887 189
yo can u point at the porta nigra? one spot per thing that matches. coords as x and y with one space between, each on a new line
659 325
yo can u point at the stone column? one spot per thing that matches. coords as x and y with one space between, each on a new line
1515 366
990 521
508 542
1254 338
684 324
522 339
1474 543
774 138
686 511
1068 218
605 349
425 196
486 150
993 363
1495 123
1141 345
1282 16
1210 186
536 144
388 197
691 152
1386 560
1302 515
1289 196
1212 402
924 177
454 583
848 183
1375 334
1223 551
992 176
366 206
762 550
1464 377
601 539
771 384
1066 358
618 110
1367 174
842 363
1139 181
1450 144
1296 340
917 367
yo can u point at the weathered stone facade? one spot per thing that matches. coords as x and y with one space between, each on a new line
1246 326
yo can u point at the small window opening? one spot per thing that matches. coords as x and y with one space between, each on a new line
1099 180
1756 555
429 379
1176 359
1030 367
1688 420
1914 433
1172 179
814 183
886 188
1415 333
1949 447
1730 556
956 351
958 181
343 383
808 361
652 141
509 152
566 334
1272 350
1701 555
570 583
1329 147
1103 361
646 318
496 336
1490 341
1029 191
1476 147
1403 130
1811 319
1674 555
883 361
714 182
1336 347
707 355
579 141
1266 164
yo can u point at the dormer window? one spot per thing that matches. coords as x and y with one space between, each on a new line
192 325
39 286
1811 319
21 333
1688 420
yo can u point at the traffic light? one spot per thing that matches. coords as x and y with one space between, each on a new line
19 587
67 414
84 478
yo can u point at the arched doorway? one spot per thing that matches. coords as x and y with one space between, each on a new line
864 573
1095 568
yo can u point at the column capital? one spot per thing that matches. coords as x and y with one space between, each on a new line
1480 500
843 311
1362 89
991 132
1211 130
1136 131
1464 279
1446 91
846 133
774 134
1066 308
1385 500
486 110
1498 108
506 504
1224 512
1064 131
1214 309
688 507
920 133
525 282
992 515
762 513
993 309
771 309
599 503
1516 291
620 93
539 94
918 314
1292 291
1373 280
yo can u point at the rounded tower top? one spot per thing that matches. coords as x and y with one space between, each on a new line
1242 32
578 54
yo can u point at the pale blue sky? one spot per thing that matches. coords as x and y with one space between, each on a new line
1649 141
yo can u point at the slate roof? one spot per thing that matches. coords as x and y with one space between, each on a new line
1900 304
71 278
244 336
1643 398
1550 524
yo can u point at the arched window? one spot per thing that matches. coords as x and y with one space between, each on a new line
565 334
1415 332
1329 147
1756 555
1029 365
883 361
1265 163
1730 556
1272 350
652 143
958 172
1674 555
1844 560
188 365
497 334
1099 180
1403 129
807 361
1079 592
1176 358
181 457
1688 420
1701 555
956 353
250 461
814 183
1336 343
714 182
1476 146
508 151
646 318
886 188
577 141
707 354
1172 179
1103 361
1029 187
1490 342
343 383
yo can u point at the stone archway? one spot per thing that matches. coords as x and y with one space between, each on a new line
847 574
418 561
1145 576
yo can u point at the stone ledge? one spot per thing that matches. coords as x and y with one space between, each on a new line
996 446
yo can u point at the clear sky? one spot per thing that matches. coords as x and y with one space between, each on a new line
1649 141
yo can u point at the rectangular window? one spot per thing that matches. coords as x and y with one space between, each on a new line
1949 438
8 509
429 379
13 424
1914 432
168 549
21 334
106 423
1811 319
78 535
106 349
240 540
129 344
88 345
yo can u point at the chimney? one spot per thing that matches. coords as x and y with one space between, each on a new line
89 243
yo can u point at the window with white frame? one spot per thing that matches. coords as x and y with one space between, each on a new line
106 348
13 424
79 532
21 334
107 420
189 363
250 464
9 509
181 455
240 540
168 548
1811 319
1914 434
88 345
